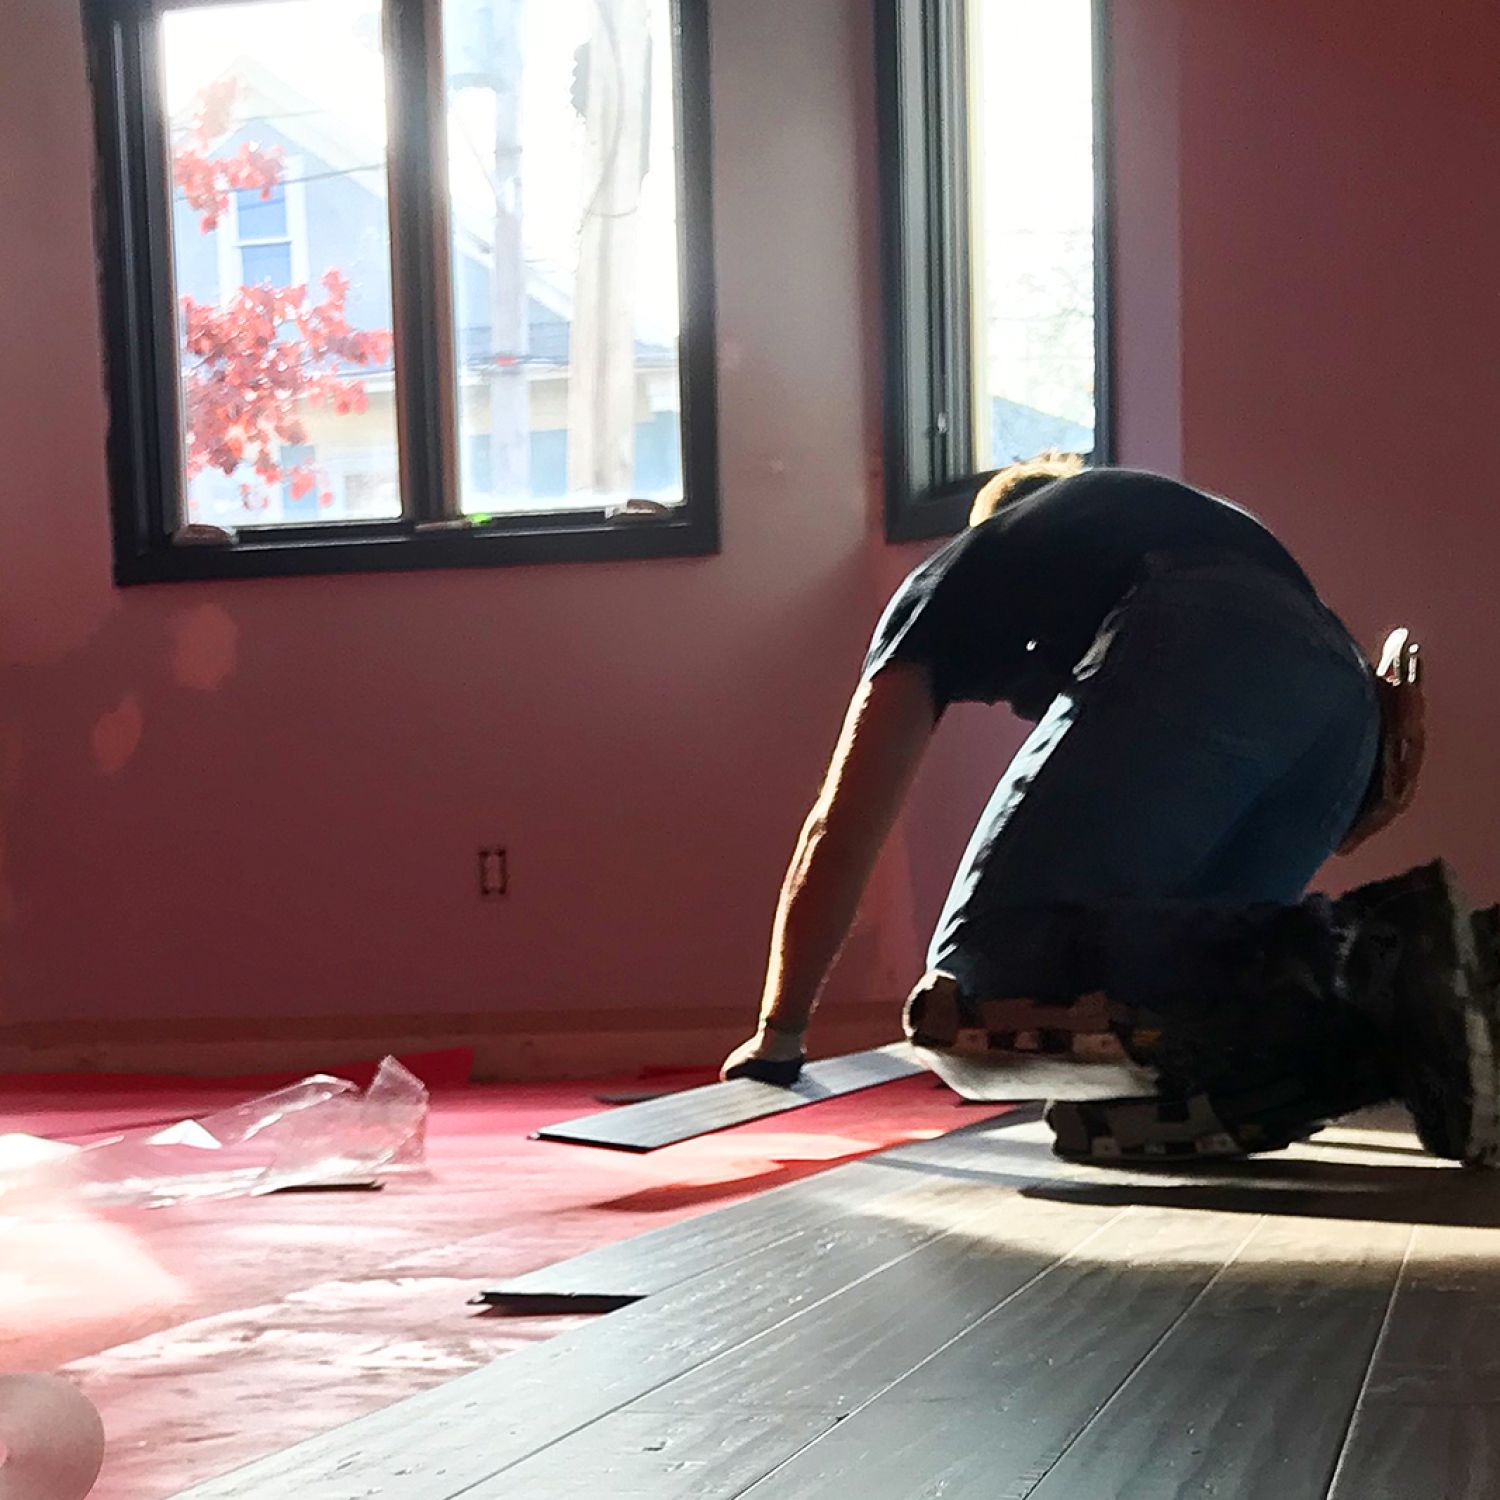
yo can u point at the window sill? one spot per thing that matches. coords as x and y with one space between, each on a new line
397 548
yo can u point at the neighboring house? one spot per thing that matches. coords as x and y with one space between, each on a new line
330 211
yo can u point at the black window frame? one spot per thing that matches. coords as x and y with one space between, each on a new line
922 75
133 232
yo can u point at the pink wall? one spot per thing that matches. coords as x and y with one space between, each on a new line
264 798
1340 327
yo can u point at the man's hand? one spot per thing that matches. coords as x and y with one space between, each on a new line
770 1056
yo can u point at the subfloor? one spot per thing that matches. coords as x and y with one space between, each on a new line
212 1334
968 1317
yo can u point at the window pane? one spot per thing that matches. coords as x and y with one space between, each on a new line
562 176
266 265
261 212
286 364
1032 114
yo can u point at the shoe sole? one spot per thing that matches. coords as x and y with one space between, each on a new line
1143 1130
1480 1011
1465 1128
1483 1028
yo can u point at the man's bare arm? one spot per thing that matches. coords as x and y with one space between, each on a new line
888 725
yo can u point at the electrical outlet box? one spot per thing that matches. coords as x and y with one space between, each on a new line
494 873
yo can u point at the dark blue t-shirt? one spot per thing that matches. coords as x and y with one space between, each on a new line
1007 609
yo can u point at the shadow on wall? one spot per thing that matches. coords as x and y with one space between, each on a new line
80 724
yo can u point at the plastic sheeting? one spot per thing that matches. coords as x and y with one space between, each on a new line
319 1132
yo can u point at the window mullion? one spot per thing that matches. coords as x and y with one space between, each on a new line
698 341
948 176
1104 185
924 146
901 59
421 284
145 182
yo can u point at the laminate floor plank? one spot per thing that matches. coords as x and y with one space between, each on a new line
841 1355
642 1456
719 1106
1428 1420
988 1413
1010 1149
1251 1392
799 1378
1013 1150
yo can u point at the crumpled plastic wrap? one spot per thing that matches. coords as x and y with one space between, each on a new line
320 1132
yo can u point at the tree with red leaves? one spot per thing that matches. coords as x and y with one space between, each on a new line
270 352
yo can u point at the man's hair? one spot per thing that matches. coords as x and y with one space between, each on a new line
1018 479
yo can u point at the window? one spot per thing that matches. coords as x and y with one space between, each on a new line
361 320
263 247
994 212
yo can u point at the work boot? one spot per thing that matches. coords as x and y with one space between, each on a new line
1419 966
1162 1128
1235 1039
1428 970
1487 945
1253 1099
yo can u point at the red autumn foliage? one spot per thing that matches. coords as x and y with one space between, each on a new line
205 180
254 365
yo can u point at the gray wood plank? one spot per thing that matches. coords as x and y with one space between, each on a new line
1007 1150
1428 1421
661 1258
831 1357
1013 1149
719 1106
839 1356
444 1441
649 1456
988 1413
1251 1392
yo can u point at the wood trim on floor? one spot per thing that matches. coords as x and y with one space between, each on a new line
514 1046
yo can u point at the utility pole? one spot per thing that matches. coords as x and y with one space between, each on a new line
601 374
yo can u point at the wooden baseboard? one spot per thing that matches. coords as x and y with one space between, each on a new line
520 1046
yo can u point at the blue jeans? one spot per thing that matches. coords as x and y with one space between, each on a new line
1209 753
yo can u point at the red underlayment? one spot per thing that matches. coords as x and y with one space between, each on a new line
209 1334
